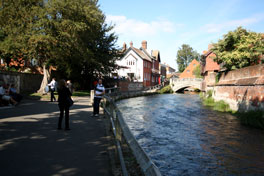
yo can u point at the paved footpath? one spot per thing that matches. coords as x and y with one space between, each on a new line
31 145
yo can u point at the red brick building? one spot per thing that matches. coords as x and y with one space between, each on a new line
188 72
155 71
209 68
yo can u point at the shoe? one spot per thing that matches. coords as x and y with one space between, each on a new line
96 115
92 115
67 129
59 128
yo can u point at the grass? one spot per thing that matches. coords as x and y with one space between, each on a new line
81 93
221 106
39 96
208 100
250 118
166 89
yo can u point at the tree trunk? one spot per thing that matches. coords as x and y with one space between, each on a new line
46 77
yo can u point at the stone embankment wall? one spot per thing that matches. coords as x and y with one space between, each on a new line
24 82
242 89
122 131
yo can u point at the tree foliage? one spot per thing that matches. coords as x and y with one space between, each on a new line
71 35
239 48
185 55
197 71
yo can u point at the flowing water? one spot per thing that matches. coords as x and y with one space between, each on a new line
183 137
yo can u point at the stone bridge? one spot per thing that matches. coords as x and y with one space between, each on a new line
181 83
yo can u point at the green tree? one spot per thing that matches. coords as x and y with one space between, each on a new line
86 44
185 55
197 71
19 21
69 34
239 48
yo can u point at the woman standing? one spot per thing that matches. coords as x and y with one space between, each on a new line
64 105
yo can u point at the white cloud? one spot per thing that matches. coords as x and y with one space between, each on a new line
214 28
138 28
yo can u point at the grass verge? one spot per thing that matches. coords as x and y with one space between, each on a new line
208 100
166 89
40 96
250 118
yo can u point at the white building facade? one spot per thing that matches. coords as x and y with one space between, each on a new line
131 64
140 65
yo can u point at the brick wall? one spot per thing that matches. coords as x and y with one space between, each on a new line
243 89
130 86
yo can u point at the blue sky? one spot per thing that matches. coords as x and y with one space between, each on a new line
167 24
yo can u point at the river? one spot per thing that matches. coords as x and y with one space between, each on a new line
183 137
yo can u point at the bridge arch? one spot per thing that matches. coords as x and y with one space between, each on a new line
179 88
178 84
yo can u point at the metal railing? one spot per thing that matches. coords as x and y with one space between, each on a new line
122 131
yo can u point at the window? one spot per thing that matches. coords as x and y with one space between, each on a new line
194 65
188 71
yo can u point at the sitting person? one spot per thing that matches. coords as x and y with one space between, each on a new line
5 95
13 93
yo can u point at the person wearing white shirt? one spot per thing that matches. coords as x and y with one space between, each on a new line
98 93
53 87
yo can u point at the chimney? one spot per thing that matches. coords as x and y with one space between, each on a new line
131 44
210 46
124 46
144 44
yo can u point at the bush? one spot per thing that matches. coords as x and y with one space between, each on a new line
209 93
209 101
217 105
201 95
221 106
166 89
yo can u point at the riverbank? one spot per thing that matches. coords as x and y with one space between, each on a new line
248 118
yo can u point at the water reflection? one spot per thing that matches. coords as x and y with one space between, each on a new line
184 138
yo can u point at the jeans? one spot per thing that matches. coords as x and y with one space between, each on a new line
52 95
96 105
62 109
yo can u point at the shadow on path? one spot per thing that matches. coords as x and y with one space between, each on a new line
30 144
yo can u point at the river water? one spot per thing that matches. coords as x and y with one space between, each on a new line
183 137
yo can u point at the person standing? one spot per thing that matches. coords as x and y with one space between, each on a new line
98 93
69 85
63 99
53 87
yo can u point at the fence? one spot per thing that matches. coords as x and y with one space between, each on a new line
122 131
